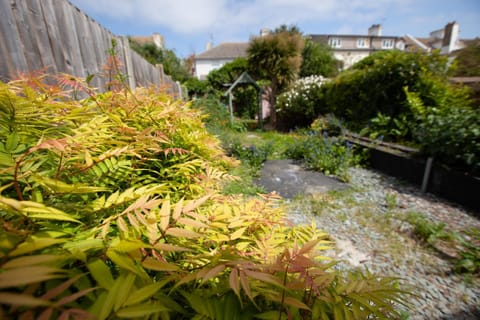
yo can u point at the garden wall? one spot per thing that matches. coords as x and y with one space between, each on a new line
54 36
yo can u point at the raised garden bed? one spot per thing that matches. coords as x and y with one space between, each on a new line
403 162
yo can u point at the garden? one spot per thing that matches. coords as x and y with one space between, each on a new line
129 204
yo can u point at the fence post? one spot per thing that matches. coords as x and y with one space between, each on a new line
426 174
128 63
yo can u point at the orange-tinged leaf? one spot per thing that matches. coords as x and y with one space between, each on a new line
122 225
192 223
74 296
265 277
307 247
18 299
191 205
234 282
183 233
296 303
213 272
32 260
133 221
165 215
245 285
178 210
154 264
27 275
60 288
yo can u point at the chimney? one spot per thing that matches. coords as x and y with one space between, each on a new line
265 32
158 40
208 46
375 30
450 38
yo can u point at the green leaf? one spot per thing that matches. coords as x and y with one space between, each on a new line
37 210
124 291
84 245
144 293
6 160
107 306
154 264
34 243
101 273
126 262
128 245
141 310
12 142
58 186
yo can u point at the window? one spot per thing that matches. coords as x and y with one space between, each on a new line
362 43
335 42
387 44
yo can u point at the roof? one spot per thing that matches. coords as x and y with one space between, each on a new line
325 37
229 50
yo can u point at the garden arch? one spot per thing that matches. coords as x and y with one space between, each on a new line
245 78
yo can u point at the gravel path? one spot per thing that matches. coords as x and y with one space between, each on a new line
368 226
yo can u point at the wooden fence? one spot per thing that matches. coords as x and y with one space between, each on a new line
54 36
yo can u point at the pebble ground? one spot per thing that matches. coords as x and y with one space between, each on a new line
369 227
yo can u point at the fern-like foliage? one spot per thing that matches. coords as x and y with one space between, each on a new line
110 208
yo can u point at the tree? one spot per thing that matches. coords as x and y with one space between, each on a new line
468 60
277 58
318 59
172 65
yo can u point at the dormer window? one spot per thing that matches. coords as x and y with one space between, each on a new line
362 43
387 44
335 42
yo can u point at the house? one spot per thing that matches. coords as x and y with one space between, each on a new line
352 48
215 57
155 39
447 40
347 48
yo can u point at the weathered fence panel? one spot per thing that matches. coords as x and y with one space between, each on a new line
54 36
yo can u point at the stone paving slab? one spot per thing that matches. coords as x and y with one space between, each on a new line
289 179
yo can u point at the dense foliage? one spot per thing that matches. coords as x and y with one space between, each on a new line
401 97
172 65
110 208
318 60
301 104
467 60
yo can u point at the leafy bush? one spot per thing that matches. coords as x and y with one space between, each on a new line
332 156
375 85
110 209
451 134
298 107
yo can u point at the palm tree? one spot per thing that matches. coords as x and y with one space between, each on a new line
276 57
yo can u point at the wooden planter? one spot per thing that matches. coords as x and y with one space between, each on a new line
401 162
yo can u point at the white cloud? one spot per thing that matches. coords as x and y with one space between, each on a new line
197 16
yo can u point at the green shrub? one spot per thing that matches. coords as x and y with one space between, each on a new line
298 107
451 134
375 86
332 156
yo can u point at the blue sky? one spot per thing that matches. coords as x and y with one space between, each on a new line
187 25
